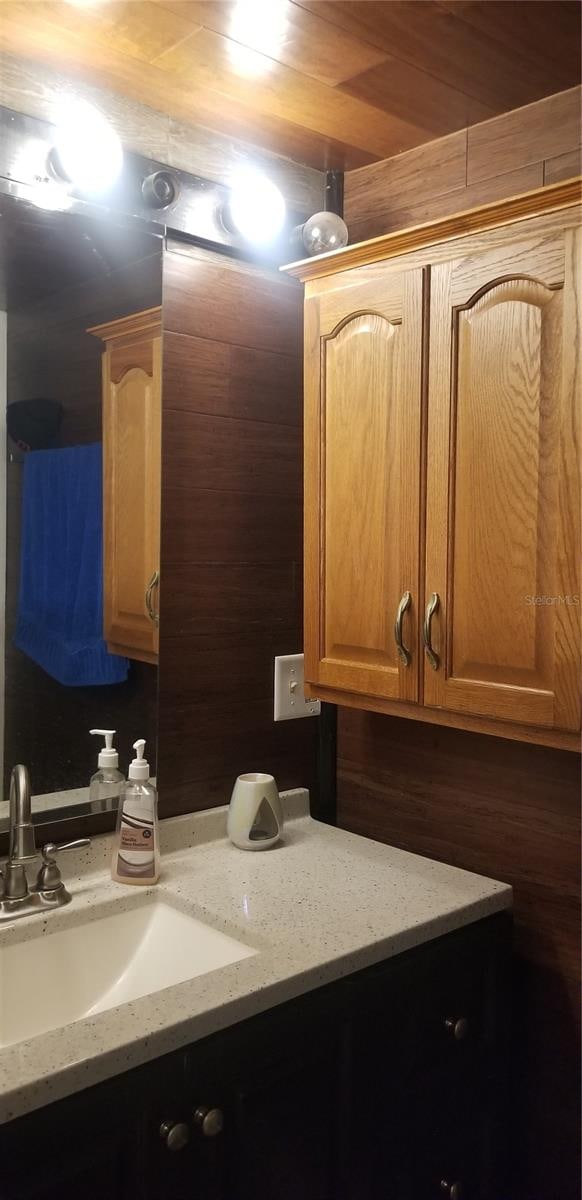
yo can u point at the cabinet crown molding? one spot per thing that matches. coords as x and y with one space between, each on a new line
566 194
148 321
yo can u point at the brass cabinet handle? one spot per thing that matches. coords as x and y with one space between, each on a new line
403 654
210 1121
458 1029
175 1134
153 583
431 654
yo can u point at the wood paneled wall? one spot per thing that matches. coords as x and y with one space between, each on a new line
501 808
516 152
231 577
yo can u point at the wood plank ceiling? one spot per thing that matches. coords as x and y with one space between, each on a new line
330 83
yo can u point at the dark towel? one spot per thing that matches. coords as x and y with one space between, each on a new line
60 609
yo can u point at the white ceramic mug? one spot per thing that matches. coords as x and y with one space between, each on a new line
255 815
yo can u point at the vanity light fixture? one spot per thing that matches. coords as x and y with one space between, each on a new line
87 152
256 208
323 232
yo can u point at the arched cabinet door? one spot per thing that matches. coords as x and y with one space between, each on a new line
503 522
131 372
362 471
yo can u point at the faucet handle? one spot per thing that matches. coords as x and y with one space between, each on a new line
49 876
51 848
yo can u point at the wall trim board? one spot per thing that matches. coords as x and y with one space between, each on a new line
324 802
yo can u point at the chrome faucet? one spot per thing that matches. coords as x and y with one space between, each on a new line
17 899
21 846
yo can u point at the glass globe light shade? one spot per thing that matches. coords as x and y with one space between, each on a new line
256 208
324 231
87 151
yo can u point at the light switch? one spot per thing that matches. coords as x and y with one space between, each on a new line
290 701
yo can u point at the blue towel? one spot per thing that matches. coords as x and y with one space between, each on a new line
60 608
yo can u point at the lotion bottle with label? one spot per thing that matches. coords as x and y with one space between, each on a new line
136 850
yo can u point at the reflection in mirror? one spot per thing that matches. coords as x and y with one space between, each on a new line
80 354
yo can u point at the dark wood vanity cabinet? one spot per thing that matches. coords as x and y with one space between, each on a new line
428 1082
390 1082
268 1092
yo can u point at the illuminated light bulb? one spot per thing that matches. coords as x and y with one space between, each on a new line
323 232
256 207
87 151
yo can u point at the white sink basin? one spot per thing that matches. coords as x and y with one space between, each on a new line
50 980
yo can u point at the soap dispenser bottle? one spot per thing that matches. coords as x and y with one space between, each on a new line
106 785
136 850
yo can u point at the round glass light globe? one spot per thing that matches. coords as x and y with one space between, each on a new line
324 231
88 150
256 207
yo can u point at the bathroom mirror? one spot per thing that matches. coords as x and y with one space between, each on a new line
80 375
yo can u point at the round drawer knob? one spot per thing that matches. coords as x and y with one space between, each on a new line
175 1134
454 1191
210 1121
458 1029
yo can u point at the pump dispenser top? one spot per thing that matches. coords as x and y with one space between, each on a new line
108 757
139 767
106 785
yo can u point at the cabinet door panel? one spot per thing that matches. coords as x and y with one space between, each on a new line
503 530
284 1138
363 409
131 440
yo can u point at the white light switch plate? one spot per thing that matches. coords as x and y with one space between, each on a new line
290 701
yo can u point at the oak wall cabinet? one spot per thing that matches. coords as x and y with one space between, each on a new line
442 471
131 368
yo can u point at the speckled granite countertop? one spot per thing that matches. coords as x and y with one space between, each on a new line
322 904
